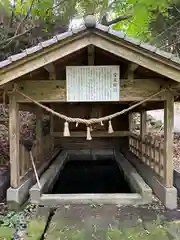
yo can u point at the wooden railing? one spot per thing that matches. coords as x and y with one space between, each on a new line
39 154
150 151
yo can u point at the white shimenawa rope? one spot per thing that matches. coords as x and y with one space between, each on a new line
89 122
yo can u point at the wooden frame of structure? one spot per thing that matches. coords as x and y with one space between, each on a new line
50 90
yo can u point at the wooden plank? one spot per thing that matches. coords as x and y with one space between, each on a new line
129 74
130 122
42 58
101 40
43 90
143 124
52 127
14 141
156 105
55 90
130 119
22 160
93 134
168 139
91 52
137 55
143 130
39 136
52 71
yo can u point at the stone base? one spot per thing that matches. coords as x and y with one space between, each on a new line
141 192
17 196
119 199
48 178
136 182
168 196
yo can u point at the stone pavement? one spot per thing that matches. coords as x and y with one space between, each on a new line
106 222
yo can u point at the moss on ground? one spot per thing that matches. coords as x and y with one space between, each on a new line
112 234
60 230
6 233
35 229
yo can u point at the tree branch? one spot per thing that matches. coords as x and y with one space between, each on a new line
12 14
114 21
20 24
16 36
28 12
55 6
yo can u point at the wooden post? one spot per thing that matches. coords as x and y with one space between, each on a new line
51 124
52 129
143 130
168 139
39 132
130 128
143 122
14 136
130 122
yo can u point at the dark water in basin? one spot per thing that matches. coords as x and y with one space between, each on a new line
91 176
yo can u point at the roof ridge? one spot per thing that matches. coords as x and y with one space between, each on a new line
89 23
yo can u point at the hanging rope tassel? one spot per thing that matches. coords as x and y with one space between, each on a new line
102 124
77 124
88 134
110 129
91 128
66 129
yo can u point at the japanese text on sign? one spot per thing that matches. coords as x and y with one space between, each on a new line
92 83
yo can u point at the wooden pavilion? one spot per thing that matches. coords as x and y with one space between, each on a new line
148 79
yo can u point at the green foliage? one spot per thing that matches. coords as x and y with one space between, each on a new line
6 233
9 220
143 12
35 229
148 19
13 218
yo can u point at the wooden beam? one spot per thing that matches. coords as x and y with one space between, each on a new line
130 118
137 55
113 45
91 51
55 90
27 107
157 105
129 74
143 124
43 90
39 136
14 141
52 126
93 134
168 139
130 122
41 58
51 70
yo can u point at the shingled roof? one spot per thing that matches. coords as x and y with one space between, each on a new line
119 34
118 42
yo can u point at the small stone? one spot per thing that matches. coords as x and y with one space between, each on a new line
90 21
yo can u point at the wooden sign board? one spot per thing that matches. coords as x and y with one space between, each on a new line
92 83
